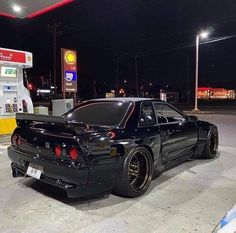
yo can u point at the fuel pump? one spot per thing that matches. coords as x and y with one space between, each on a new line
14 96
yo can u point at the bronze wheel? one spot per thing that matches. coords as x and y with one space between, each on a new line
139 169
136 175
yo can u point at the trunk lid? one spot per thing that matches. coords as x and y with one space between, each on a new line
40 134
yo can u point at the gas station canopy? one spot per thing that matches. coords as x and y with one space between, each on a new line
29 8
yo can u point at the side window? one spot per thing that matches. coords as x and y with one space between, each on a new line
165 113
147 116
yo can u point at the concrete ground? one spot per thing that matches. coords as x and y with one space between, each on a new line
192 197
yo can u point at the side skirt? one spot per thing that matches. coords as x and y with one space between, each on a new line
172 163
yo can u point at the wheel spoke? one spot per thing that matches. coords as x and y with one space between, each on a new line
138 171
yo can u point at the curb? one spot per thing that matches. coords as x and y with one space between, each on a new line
199 112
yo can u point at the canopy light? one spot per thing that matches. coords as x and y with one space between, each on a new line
17 8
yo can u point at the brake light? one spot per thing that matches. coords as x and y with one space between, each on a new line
58 151
18 141
13 139
112 134
73 153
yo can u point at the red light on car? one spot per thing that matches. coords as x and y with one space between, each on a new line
30 86
13 139
18 141
111 134
73 153
58 151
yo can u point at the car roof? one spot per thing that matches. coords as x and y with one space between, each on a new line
126 99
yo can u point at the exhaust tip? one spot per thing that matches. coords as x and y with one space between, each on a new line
15 172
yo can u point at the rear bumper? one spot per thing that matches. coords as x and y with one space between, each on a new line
72 190
74 180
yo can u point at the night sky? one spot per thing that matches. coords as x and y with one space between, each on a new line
160 32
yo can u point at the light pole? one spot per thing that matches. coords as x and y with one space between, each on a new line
201 35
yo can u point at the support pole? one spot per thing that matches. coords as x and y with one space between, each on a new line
196 73
136 75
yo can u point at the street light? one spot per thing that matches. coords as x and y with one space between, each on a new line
202 35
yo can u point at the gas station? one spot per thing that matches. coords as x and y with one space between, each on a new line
14 96
192 197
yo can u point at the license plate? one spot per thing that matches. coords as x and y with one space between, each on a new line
34 171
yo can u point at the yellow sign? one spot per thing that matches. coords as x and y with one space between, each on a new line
70 57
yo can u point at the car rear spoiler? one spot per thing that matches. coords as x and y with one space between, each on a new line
26 118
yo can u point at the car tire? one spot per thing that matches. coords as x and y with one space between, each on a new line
211 145
136 174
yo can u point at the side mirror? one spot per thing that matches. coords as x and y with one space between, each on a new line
192 118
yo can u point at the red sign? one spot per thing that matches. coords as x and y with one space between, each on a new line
12 56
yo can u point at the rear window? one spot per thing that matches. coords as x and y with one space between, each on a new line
99 113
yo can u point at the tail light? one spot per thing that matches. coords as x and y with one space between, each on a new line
58 151
111 134
13 139
73 153
16 140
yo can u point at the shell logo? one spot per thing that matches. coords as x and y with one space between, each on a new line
70 57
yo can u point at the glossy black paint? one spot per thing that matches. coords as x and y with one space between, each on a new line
101 156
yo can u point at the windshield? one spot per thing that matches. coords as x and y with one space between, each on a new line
99 113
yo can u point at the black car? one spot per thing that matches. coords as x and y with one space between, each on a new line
106 145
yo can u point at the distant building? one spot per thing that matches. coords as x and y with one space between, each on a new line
215 93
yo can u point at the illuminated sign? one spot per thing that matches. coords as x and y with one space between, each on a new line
70 57
7 55
43 91
70 76
8 72
69 70
16 57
